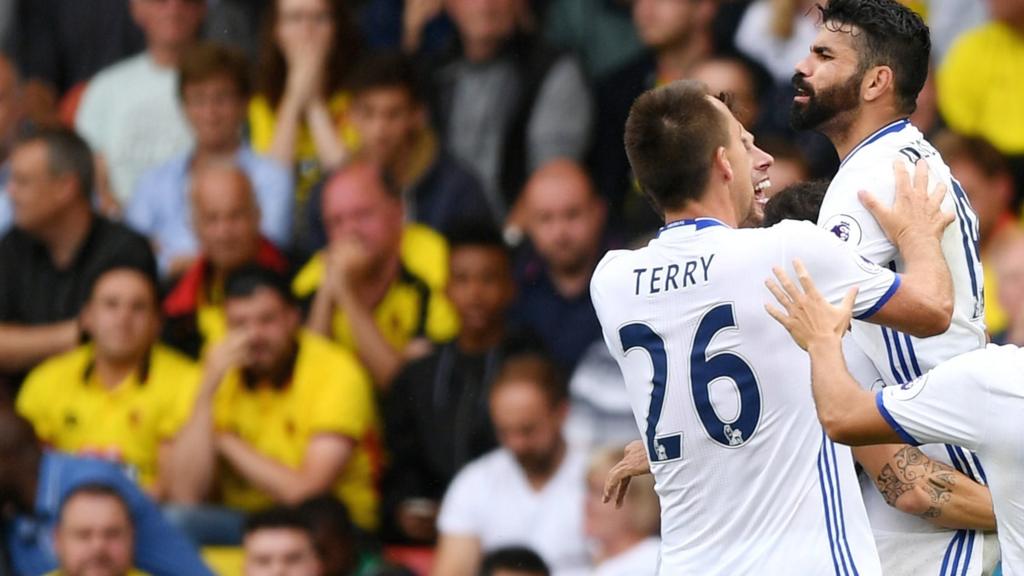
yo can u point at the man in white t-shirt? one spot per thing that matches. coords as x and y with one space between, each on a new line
974 400
129 113
529 492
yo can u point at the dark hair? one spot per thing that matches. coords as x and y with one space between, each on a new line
247 280
671 137
95 489
470 233
514 558
890 35
273 69
536 368
278 517
207 60
384 70
974 149
800 201
67 153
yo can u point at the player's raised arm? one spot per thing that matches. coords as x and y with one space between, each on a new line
923 304
847 413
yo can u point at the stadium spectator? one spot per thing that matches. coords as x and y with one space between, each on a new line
377 288
675 34
129 113
514 561
121 397
1008 269
11 103
733 76
948 19
279 542
94 533
298 113
505 103
50 260
288 414
777 33
626 535
226 220
35 484
988 56
986 178
539 480
436 414
214 89
565 220
599 31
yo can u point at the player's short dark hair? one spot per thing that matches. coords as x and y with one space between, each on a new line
385 70
473 234
974 149
95 489
279 518
890 34
67 153
800 201
207 60
671 137
536 368
517 558
247 280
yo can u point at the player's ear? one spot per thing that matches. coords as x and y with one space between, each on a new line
876 82
722 164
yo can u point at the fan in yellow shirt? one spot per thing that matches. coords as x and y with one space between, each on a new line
290 414
378 288
123 397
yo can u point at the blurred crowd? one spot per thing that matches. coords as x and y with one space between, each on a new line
302 286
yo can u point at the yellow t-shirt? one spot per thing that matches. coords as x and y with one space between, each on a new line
400 316
263 118
72 411
981 86
329 393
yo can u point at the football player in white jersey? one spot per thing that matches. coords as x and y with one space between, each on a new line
857 86
929 408
747 481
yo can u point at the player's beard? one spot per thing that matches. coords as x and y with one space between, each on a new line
825 106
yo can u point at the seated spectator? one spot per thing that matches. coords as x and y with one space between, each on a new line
34 485
11 107
626 542
735 77
214 89
675 35
279 542
392 122
377 289
599 31
967 98
226 219
129 113
539 479
1008 269
94 533
506 103
344 551
288 414
298 114
50 260
565 222
436 414
514 561
985 177
121 397
778 34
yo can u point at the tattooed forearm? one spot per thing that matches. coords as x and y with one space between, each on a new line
910 470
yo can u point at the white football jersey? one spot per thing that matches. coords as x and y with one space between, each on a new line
974 400
899 358
747 481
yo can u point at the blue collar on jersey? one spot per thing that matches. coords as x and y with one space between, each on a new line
878 135
698 223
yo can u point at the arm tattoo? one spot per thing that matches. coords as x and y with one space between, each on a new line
909 468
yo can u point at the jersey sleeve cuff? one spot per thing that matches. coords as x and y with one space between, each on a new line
896 280
907 438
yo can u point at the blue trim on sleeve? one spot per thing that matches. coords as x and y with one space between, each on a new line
896 281
892 421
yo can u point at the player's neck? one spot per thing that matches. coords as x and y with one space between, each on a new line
708 207
860 129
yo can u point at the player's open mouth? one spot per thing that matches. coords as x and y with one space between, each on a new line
761 190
